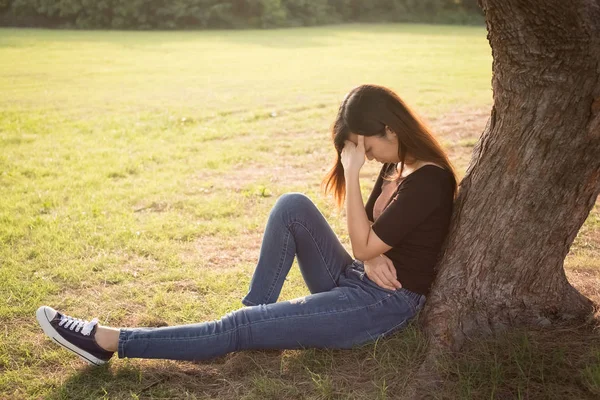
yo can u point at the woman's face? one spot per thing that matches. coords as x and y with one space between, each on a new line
383 149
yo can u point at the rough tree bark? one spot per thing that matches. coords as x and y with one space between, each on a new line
533 178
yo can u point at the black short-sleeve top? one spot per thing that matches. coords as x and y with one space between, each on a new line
413 216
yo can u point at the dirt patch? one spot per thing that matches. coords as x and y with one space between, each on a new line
460 124
586 281
224 251
248 174
459 130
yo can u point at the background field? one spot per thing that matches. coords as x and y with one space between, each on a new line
137 171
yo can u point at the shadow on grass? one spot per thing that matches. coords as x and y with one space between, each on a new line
548 364
365 372
555 363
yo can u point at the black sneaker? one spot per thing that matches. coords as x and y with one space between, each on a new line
73 334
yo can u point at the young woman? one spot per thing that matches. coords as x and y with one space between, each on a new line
396 239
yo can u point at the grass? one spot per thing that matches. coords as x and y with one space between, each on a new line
137 171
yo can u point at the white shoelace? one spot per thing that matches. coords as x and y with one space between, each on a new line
77 324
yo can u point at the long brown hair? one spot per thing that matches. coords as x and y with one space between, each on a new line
366 110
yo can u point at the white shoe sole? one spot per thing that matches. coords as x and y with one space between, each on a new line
49 330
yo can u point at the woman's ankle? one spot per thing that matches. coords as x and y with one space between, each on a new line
107 338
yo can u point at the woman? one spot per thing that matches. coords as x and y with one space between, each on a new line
395 238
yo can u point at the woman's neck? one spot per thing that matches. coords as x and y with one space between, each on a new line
409 167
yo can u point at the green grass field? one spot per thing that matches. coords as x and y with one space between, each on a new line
137 171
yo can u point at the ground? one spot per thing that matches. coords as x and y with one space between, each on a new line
137 172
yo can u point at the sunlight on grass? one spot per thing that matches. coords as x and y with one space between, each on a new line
137 173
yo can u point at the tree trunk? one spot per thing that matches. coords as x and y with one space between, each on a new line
533 178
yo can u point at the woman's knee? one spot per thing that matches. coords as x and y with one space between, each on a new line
294 203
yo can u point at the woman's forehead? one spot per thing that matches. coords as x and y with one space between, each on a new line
353 137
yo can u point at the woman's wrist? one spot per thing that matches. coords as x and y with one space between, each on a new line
351 174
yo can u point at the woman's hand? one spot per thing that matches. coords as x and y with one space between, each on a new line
381 270
353 156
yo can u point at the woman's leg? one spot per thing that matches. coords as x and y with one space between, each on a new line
355 312
346 309
296 227
351 314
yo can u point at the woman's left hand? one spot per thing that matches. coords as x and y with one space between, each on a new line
353 156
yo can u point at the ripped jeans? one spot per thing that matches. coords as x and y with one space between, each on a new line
345 308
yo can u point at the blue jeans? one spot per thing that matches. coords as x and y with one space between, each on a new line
345 309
